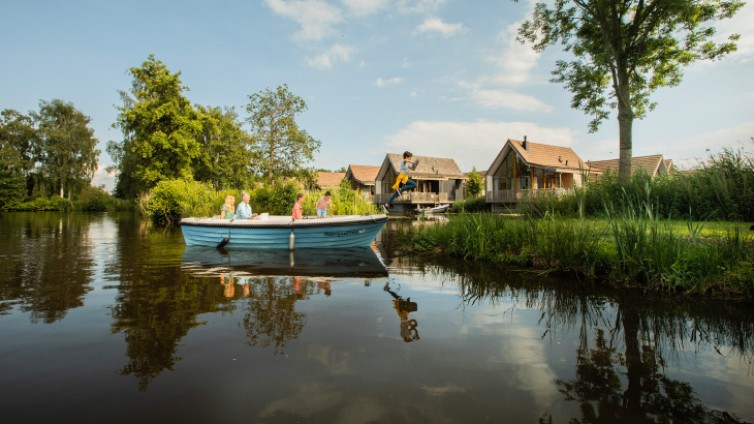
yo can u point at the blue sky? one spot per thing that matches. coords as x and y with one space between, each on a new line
437 77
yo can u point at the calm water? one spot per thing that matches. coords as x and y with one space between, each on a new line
104 318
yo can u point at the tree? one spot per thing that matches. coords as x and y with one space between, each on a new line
624 50
474 183
19 152
227 160
69 155
283 145
161 131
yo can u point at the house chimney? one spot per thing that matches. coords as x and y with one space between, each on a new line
524 144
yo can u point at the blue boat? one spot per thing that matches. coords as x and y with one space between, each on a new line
280 232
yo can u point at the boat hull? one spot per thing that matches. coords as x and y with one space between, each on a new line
275 232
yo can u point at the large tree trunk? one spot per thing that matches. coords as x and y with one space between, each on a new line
625 124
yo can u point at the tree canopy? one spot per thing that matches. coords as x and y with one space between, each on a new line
474 185
68 154
227 160
18 153
623 50
284 148
161 131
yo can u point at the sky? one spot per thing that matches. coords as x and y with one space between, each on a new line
442 78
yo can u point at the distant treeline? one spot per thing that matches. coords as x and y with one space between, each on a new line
47 152
48 157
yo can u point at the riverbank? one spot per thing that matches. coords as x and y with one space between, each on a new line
715 259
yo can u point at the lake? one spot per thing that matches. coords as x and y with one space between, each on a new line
107 318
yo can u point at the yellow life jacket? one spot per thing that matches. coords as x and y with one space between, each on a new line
400 180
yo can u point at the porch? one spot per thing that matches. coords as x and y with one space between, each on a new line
416 198
515 196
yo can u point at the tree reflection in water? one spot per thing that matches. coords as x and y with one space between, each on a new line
271 319
623 341
47 263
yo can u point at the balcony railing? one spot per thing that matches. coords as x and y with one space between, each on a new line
416 198
512 196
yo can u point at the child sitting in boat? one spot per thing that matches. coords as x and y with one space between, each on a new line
228 210
298 210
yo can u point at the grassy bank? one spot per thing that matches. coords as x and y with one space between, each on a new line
628 249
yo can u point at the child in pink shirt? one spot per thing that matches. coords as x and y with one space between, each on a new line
298 210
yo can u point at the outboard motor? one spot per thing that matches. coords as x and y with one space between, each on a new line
222 243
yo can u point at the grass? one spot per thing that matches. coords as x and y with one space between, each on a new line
638 249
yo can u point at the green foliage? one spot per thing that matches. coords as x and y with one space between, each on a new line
345 201
95 199
477 204
41 204
633 248
550 204
12 188
475 184
68 154
172 199
226 158
623 51
276 199
161 131
283 147
19 151
722 189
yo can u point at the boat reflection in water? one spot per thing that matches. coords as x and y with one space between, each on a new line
360 262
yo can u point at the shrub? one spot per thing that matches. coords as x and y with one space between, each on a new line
41 204
276 199
172 199
471 205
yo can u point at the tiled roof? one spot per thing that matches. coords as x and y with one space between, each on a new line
329 179
364 174
428 166
649 164
547 155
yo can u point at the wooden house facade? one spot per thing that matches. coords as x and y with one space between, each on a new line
523 169
439 181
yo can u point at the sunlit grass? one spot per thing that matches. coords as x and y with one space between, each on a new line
634 250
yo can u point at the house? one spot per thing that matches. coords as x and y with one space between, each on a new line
362 179
329 180
523 169
439 181
653 165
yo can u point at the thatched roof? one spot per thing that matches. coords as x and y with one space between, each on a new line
429 167
327 180
652 165
547 155
363 174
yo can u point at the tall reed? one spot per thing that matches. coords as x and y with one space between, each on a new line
634 247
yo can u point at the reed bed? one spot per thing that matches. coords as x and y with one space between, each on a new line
633 248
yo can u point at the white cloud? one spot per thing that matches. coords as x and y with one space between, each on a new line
326 60
316 17
436 25
419 6
687 152
104 178
471 143
390 81
365 7
507 99
515 62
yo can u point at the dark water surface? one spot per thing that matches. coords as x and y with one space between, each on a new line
105 318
